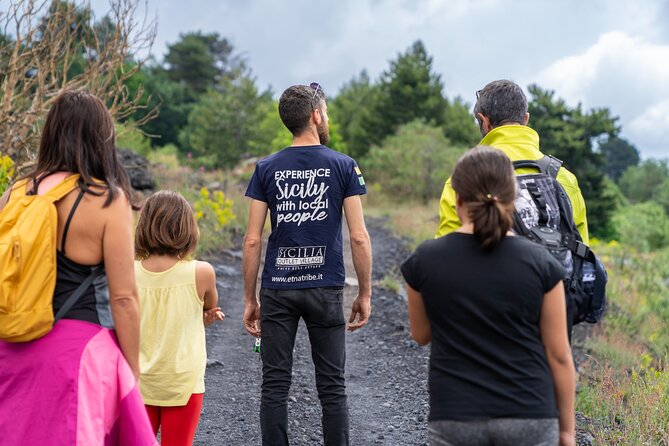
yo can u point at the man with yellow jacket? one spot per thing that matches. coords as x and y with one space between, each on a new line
501 111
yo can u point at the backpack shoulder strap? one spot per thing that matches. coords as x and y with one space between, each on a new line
63 188
554 165
18 188
548 164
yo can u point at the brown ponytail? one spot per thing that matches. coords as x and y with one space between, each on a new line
485 181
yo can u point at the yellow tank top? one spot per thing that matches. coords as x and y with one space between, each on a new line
172 355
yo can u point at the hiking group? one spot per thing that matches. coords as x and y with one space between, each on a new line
102 333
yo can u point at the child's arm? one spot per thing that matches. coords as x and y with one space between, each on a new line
205 281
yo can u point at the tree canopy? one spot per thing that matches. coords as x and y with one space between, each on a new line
368 112
571 135
202 100
199 61
619 154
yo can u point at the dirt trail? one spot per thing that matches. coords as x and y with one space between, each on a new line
386 372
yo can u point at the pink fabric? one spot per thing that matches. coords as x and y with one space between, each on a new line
71 387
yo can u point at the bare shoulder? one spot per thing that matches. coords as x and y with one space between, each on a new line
205 281
204 271
99 196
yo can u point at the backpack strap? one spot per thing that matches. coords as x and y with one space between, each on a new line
69 219
56 193
74 297
580 249
548 164
19 187
63 188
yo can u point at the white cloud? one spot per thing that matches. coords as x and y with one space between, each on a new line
653 126
627 74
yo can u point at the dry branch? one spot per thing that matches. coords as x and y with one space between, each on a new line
49 46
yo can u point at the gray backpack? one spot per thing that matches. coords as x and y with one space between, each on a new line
544 215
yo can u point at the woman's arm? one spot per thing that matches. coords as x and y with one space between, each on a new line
118 255
418 322
554 336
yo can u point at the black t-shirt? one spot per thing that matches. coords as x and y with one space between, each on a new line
487 358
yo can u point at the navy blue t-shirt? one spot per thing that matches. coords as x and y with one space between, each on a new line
304 188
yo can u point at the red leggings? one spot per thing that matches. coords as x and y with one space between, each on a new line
177 424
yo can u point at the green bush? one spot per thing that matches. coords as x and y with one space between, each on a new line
643 226
128 136
166 156
640 183
6 172
413 164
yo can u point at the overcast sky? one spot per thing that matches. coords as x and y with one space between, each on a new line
601 53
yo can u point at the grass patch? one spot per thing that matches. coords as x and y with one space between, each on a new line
616 349
625 387
415 222
391 283
627 407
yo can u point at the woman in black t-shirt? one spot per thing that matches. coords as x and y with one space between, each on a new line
493 305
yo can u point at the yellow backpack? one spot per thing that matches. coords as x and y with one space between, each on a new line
28 230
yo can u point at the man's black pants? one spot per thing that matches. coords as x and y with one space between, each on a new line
280 312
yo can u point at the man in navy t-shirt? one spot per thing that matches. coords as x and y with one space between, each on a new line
306 187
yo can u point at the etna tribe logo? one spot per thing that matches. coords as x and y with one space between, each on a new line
298 256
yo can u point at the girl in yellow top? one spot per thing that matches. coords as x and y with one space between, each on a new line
177 299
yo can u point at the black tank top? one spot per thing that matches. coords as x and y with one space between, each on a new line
93 305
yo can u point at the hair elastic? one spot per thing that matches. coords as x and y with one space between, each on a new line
491 197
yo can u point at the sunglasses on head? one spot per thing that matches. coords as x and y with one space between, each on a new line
316 86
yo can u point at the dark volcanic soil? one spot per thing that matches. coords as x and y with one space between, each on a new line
386 371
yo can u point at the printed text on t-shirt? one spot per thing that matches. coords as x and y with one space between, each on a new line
299 256
300 197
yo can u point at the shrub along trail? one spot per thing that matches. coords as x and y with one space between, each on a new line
386 372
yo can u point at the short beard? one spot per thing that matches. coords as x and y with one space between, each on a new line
323 133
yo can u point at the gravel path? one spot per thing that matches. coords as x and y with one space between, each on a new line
386 371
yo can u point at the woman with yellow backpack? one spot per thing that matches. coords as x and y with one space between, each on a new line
66 255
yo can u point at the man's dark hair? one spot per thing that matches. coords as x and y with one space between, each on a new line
296 105
501 102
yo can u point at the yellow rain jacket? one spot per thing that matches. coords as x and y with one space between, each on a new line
519 143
